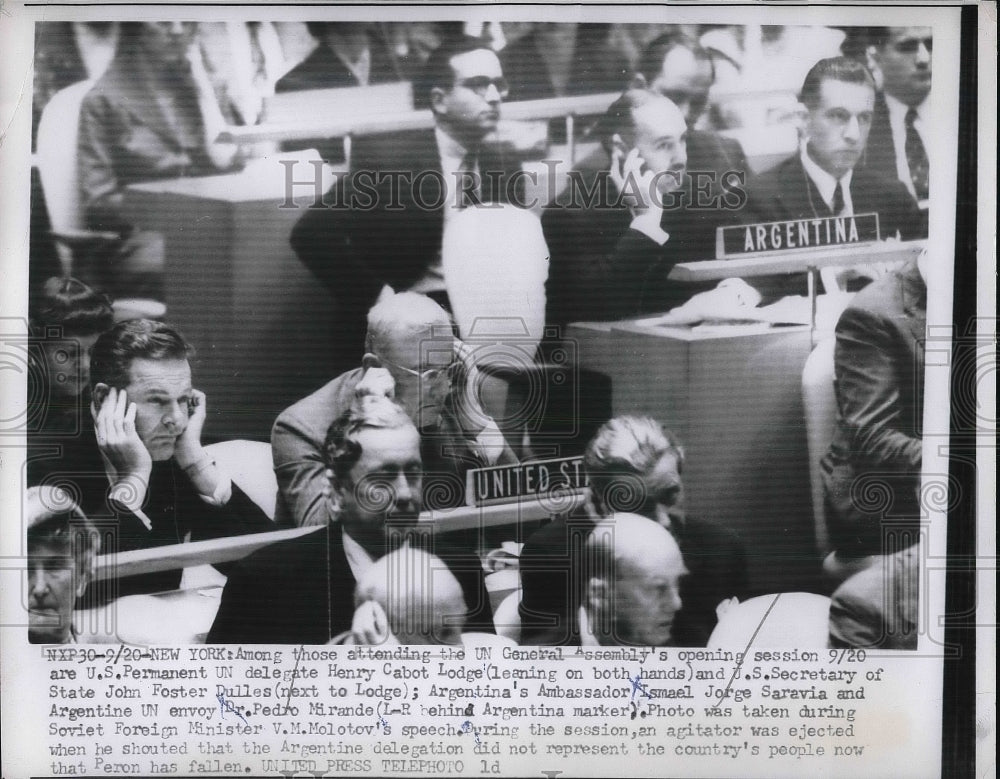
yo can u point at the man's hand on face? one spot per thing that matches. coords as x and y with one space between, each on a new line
117 438
465 392
370 625
188 449
636 185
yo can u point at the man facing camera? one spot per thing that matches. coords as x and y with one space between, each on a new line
387 226
299 591
824 178
411 355
633 569
62 546
142 463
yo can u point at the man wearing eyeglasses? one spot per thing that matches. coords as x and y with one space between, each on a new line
385 220
412 356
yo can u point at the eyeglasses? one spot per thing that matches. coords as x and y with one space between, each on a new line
430 375
481 85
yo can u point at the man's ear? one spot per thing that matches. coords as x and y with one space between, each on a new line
638 81
800 118
437 100
85 572
597 595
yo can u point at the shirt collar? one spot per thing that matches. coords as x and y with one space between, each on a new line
897 108
451 151
825 183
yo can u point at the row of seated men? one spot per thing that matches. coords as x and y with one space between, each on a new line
652 198
358 456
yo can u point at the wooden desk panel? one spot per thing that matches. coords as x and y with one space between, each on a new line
735 403
259 321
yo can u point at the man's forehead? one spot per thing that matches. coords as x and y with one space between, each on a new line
834 93
659 118
400 445
897 34
159 374
478 62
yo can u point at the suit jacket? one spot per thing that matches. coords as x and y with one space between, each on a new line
879 372
552 586
301 591
126 135
787 192
323 69
878 606
297 445
386 233
601 269
172 504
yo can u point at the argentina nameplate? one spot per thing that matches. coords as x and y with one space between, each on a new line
796 235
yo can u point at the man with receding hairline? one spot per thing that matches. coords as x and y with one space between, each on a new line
633 569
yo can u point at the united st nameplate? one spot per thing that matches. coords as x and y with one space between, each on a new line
796 235
507 483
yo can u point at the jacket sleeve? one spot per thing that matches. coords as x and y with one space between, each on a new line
100 193
587 283
867 363
301 472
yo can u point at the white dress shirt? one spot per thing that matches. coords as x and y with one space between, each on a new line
897 121
827 184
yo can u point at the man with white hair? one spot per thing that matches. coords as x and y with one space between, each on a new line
633 569
411 355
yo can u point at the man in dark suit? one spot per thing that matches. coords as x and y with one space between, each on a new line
899 141
386 219
677 67
879 374
615 234
140 470
824 178
633 465
301 591
348 55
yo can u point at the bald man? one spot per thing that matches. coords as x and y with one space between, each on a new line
634 569
615 235
408 597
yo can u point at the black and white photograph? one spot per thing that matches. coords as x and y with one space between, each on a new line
485 389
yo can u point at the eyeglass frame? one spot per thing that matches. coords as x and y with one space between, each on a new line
431 374
483 84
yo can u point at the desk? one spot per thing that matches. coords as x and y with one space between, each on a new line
257 318
734 400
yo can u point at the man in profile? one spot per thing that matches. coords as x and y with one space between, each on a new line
62 546
632 571
299 591
615 236
387 226
633 465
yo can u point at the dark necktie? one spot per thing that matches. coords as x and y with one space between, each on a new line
468 184
916 157
838 200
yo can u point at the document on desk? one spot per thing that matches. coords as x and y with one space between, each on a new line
698 560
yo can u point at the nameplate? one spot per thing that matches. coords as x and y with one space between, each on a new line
795 235
508 483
